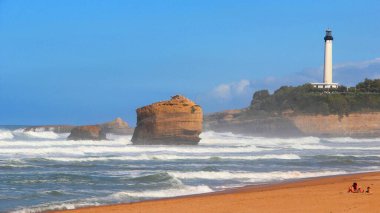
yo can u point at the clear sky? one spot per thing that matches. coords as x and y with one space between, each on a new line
89 61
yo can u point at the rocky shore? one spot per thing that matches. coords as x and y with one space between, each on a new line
88 132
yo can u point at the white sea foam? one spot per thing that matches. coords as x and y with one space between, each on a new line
253 176
56 206
124 146
211 137
218 154
37 134
351 140
177 157
308 146
101 150
356 156
358 148
5 134
173 192
123 196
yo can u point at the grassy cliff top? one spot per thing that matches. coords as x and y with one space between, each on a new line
364 97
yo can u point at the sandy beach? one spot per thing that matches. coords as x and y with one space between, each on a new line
325 194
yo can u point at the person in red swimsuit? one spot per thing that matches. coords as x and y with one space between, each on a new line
355 188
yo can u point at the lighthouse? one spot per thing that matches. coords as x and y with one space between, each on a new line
327 77
328 67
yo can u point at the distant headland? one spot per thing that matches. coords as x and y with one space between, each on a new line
306 111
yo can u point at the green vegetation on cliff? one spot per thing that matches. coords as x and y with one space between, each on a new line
306 99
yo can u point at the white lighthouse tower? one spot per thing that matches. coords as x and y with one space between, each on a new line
327 71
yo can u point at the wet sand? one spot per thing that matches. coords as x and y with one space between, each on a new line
326 194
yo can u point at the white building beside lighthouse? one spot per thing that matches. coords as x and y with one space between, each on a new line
328 68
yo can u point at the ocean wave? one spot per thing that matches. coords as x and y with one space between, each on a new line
119 146
69 149
351 140
353 156
211 137
5 134
253 176
123 196
165 157
14 166
53 192
358 148
162 177
60 143
55 206
173 192
308 147
39 134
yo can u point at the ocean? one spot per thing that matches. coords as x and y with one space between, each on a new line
42 171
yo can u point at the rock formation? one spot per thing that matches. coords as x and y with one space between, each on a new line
117 126
176 121
87 133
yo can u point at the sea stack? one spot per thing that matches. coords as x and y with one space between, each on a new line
174 122
117 126
87 133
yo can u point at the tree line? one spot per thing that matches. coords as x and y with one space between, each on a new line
364 97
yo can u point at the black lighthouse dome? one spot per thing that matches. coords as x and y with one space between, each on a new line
328 35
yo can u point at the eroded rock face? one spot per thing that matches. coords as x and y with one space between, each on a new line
177 121
287 125
353 125
87 133
117 126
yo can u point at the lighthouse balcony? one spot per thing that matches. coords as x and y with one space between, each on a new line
325 85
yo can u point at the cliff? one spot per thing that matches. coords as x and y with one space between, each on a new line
267 126
306 111
176 121
291 125
352 125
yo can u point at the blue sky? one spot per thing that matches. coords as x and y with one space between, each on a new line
88 61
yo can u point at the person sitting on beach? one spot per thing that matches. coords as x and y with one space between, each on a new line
355 189
367 190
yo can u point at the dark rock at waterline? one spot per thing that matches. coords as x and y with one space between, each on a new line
53 128
117 126
87 133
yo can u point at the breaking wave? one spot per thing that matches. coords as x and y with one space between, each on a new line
185 190
74 174
118 197
5 134
351 140
178 157
36 134
253 176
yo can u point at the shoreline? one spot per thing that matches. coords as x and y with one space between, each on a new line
317 194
